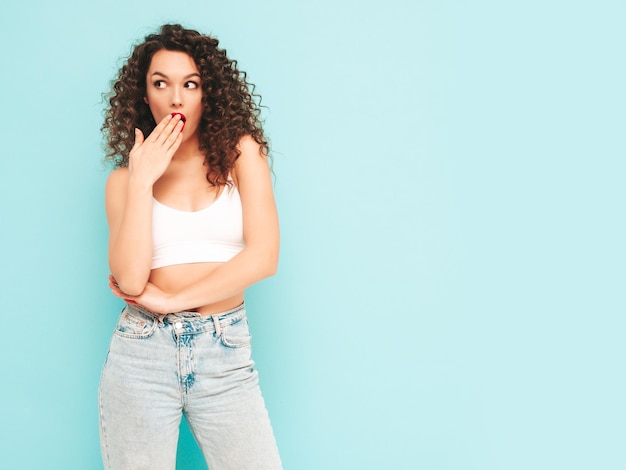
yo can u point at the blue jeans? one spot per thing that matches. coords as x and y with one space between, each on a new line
159 367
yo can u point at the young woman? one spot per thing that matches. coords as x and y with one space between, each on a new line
192 223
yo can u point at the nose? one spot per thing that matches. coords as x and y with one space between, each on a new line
176 97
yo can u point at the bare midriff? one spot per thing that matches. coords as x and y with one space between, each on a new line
173 279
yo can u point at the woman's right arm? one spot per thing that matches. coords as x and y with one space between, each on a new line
128 202
129 214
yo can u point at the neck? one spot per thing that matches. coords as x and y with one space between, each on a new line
189 149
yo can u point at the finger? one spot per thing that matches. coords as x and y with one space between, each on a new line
125 297
117 293
156 132
138 139
175 139
116 290
174 147
170 129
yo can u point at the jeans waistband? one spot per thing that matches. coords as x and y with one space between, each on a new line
191 322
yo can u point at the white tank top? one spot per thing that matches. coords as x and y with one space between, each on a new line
213 234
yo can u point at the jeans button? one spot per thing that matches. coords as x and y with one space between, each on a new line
178 325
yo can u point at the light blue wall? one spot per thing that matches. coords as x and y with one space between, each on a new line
450 178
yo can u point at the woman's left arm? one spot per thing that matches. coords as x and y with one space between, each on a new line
259 258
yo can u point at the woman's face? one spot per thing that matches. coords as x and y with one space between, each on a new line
173 86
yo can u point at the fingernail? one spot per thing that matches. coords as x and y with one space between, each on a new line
182 118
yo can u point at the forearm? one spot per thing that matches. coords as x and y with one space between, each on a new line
228 280
130 249
129 204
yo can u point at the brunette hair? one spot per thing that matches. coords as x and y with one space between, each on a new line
230 108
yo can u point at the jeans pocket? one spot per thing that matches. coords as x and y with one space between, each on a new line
134 324
236 335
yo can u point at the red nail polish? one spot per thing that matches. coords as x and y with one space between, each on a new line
182 118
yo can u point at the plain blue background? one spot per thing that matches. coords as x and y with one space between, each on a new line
450 180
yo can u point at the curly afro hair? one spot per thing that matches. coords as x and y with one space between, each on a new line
230 108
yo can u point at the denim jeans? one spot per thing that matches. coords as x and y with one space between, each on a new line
159 367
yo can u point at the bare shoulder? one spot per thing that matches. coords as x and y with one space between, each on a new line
119 176
252 162
115 190
249 147
116 181
254 182
252 153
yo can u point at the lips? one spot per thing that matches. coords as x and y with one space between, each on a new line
182 118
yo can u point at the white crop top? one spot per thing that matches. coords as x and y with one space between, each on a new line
213 234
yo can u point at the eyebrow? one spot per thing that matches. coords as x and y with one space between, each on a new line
185 77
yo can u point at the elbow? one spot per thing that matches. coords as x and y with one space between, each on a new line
130 286
265 264
131 289
270 269
270 266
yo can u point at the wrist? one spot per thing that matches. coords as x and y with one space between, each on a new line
173 303
139 184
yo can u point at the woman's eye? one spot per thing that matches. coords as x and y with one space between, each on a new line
191 85
159 84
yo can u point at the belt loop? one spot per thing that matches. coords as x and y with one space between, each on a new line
218 327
